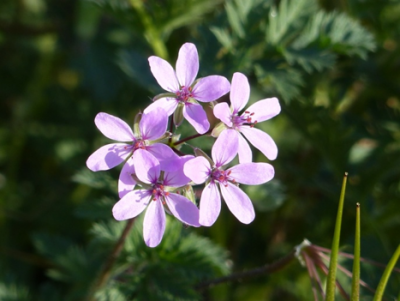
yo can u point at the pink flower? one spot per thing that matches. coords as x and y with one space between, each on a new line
152 126
201 170
244 123
184 89
157 197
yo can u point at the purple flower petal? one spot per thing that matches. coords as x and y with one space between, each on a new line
114 128
146 165
197 169
183 209
238 203
164 154
210 88
240 92
177 178
131 205
187 64
264 109
197 117
167 103
154 224
223 113
261 141
210 205
225 147
244 151
164 74
108 156
252 173
126 183
153 124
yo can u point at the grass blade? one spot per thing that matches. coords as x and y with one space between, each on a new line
386 274
331 281
355 283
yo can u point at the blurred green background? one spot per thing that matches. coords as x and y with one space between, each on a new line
334 65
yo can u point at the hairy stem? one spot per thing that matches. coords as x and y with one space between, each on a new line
106 270
267 269
192 137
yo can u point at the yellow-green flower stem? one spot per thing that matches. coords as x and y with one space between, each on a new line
331 281
151 32
355 283
386 274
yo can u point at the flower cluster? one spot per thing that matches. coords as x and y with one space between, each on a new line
157 177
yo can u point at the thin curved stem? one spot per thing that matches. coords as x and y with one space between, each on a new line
106 270
267 269
191 137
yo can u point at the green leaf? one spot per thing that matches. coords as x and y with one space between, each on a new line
94 179
286 82
235 20
337 31
310 58
223 37
186 14
171 270
288 16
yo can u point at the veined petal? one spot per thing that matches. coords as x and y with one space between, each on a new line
146 165
197 169
177 178
167 103
187 64
154 224
225 147
114 128
197 117
210 88
153 124
131 205
252 173
126 183
261 141
210 205
164 74
164 154
223 113
240 92
108 156
244 151
183 209
238 203
264 109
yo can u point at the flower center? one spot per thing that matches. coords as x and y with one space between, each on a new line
222 176
246 118
184 94
159 192
139 144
